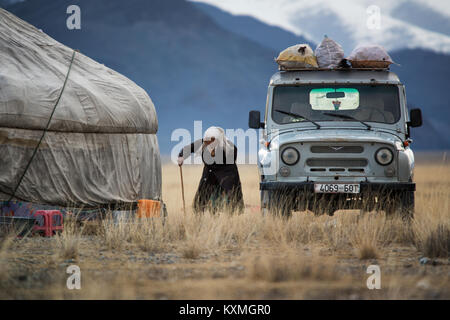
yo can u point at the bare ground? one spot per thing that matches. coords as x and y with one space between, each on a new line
242 256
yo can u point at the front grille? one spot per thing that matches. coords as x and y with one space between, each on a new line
337 149
356 170
343 163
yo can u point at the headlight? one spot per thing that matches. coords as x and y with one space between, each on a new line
290 156
384 156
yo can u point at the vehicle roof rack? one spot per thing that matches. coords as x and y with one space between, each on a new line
281 68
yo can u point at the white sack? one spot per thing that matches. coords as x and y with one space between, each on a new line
329 53
370 56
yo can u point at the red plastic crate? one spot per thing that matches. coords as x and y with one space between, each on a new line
52 222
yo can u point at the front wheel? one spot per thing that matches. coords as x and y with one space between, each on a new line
401 204
276 204
280 209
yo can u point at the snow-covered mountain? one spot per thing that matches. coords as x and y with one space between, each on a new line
403 23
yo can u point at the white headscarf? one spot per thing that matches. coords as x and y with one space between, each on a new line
220 144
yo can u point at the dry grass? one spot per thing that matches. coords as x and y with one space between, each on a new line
68 241
147 234
434 239
432 226
292 266
5 245
248 256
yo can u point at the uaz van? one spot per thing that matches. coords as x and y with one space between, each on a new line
336 139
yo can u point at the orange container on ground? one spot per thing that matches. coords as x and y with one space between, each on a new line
148 208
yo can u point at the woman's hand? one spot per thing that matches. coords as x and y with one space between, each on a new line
180 161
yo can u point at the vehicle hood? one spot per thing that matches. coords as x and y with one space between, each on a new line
335 135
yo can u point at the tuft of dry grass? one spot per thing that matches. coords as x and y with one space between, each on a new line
367 251
150 236
191 250
292 266
92 227
434 242
6 241
367 235
68 241
147 234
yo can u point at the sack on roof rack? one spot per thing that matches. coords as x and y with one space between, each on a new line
329 54
298 56
370 56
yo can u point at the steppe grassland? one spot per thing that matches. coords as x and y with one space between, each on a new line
242 256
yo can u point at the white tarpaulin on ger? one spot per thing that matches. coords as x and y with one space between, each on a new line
100 146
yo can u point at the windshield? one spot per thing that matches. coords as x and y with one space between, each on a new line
363 103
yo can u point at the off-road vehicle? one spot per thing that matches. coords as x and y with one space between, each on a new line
336 139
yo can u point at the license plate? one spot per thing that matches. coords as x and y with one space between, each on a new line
336 188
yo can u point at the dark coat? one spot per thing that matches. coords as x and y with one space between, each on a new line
220 185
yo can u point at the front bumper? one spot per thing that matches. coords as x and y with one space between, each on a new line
364 186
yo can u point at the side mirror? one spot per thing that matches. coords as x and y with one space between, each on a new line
254 120
415 116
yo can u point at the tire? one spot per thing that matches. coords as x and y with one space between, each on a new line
279 209
265 203
407 201
401 204
323 204
367 202
276 204
331 211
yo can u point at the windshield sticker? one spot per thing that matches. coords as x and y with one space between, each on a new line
334 99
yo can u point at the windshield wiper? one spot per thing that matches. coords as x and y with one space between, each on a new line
298 116
345 116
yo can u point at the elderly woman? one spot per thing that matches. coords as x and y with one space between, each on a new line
220 186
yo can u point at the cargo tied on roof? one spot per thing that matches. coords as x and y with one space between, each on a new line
298 56
329 53
72 131
370 56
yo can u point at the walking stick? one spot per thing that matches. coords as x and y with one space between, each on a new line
182 190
